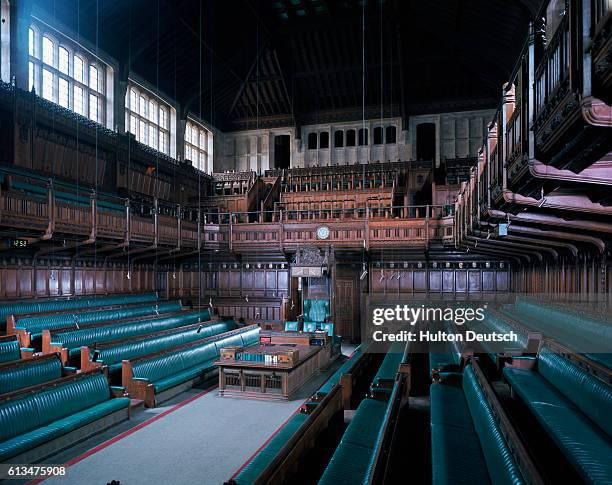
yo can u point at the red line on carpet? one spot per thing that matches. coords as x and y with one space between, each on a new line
126 433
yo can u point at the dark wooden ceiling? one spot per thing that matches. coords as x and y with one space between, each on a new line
257 63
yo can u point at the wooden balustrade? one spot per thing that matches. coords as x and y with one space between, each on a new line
377 225
553 71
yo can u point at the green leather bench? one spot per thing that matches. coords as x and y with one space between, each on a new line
29 372
574 408
59 304
37 424
36 324
382 384
112 353
456 454
9 348
500 463
583 334
352 460
106 332
267 454
343 369
467 443
175 370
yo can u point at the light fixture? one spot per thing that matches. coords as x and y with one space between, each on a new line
364 272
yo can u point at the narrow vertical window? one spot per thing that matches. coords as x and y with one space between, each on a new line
93 107
378 135
162 118
31 75
143 107
47 52
47 85
363 136
79 106
63 92
31 42
63 60
93 78
153 111
142 132
79 70
133 124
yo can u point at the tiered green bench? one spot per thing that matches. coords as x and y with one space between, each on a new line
34 325
8 311
37 423
24 373
351 461
584 334
161 376
467 443
383 381
346 368
9 348
355 458
73 339
112 353
444 359
575 410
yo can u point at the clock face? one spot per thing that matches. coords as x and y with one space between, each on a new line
323 232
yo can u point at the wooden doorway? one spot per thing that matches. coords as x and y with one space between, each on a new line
347 309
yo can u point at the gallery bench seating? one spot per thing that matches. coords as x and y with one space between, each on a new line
573 407
157 377
9 311
69 341
467 443
578 332
111 354
40 421
30 328
10 349
23 373
276 463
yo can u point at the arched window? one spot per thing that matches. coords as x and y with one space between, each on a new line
47 51
146 117
338 139
391 134
324 139
312 141
198 142
350 138
363 136
93 77
63 66
65 73
79 69
31 40
378 135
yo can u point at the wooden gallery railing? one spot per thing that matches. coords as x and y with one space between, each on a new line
47 218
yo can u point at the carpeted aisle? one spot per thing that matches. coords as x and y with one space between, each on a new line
203 441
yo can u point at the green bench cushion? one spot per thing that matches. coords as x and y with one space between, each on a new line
390 364
592 396
266 455
30 373
456 455
500 463
85 336
584 444
169 370
29 420
36 324
9 351
352 459
41 306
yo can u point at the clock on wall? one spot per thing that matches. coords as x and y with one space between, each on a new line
322 232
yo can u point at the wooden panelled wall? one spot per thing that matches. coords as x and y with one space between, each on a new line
589 278
49 278
458 278
237 280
